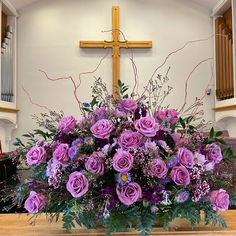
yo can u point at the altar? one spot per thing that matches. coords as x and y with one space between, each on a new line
18 224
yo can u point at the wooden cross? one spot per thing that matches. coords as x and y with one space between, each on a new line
115 44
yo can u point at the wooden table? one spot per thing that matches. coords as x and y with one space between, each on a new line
14 224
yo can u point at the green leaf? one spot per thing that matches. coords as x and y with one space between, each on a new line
219 133
212 133
182 122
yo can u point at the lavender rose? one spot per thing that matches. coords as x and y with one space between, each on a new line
129 194
213 153
60 153
130 139
185 157
36 155
157 167
219 200
127 104
122 161
169 115
95 163
67 124
77 184
102 129
147 126
180 175
35 202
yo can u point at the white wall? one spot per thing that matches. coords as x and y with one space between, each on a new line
48 38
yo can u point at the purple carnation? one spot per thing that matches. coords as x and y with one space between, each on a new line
185 157
36 155
35 202
213 153
147 126
60 153
77 184
102 129
67 124
127 105
130 139
122 161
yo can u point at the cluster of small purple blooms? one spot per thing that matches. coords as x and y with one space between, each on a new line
132 146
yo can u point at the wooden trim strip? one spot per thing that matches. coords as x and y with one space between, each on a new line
9 110
225 108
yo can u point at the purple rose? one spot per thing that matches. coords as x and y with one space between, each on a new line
36 155
185 157
102 129
95 163
180 175
35 202
60 153
67 124
147 126
77 184
129 194
127 104
157 167
122 161
213 153
219 200
130 139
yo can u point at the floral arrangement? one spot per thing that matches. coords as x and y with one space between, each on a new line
124 164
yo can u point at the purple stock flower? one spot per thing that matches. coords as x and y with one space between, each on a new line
147 126
127 105
102 129
73 151
67 124
172 162
182 197
124 178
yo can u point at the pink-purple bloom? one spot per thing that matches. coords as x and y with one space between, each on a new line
73 151
67 123
157 168
95 163
35 202
180 175
147 126
77 184
214 153
130 139
169 115
124 178
127 105
78 143
172 162
61 153
185 157
219 200
102 129
129 194
182 197
36 155
122 161
199 159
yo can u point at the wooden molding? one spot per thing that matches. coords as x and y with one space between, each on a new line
225 108
9 110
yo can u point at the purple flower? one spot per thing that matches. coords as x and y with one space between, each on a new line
122 161
78 143
127 105
36 155
129 194
130 139
60 153
67 124
157 167
199 159
35 202
147 126
213 153
89 141
185 157
169 115
77 184
73 151
182 197
124 178
172 162
151 147
180 175
219 200
102 129
164 145
95 163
